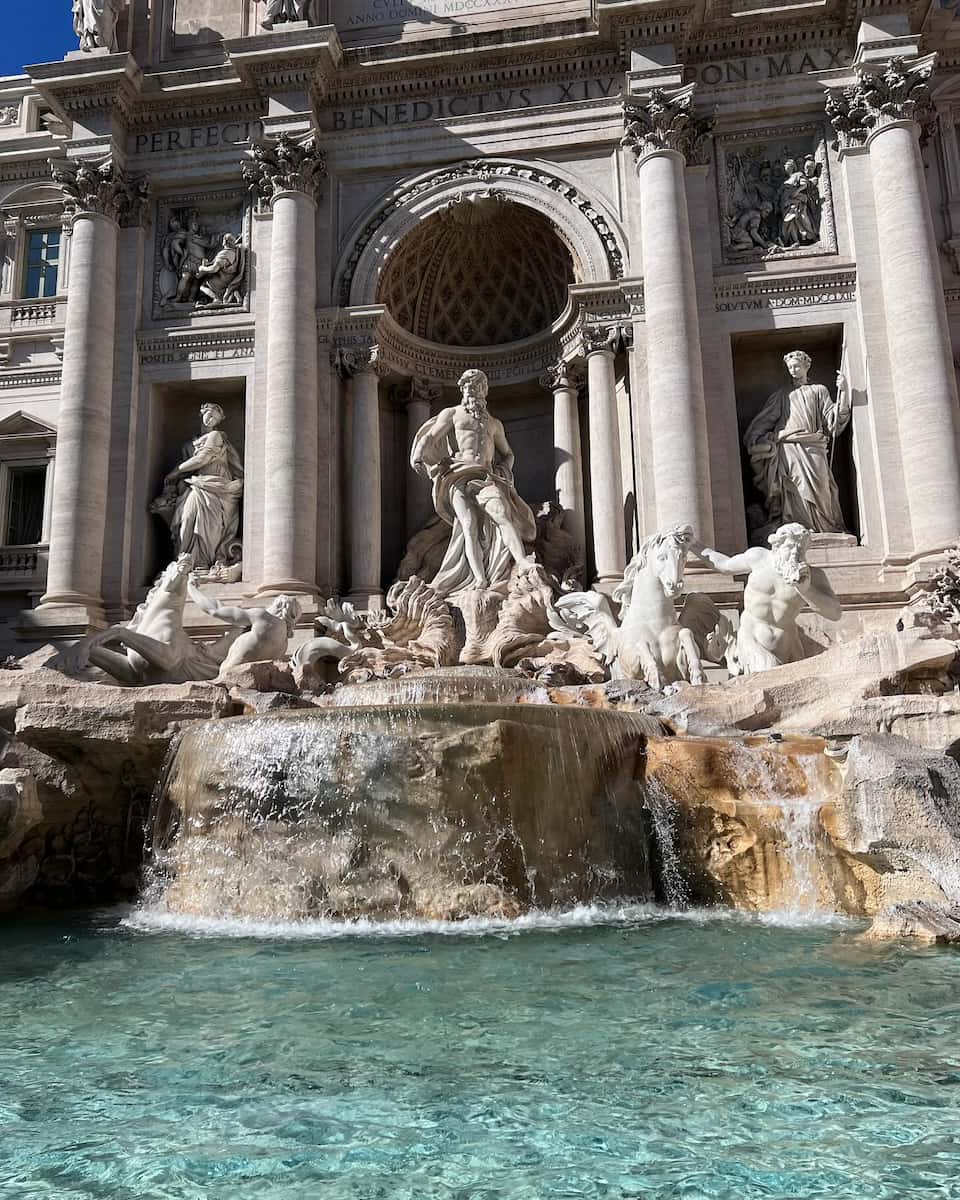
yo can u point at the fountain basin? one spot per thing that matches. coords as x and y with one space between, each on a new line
422 810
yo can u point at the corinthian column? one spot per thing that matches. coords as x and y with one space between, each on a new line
363 368
563 381
98 197
883 111
286 176
606 477
423 395
664 134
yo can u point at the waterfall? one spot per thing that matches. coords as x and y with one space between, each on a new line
663 810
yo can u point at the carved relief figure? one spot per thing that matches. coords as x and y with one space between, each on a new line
194 246
95 23
780 584
789 443
772 204
201 266
201 499
221 277
465 452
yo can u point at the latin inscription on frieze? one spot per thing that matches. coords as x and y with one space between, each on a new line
194 138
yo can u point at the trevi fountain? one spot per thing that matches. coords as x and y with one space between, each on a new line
482 707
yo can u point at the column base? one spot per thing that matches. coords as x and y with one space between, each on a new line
290 587
58 617
606 583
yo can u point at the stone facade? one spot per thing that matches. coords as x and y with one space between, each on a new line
319 226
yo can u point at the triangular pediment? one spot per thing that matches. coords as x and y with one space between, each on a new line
23 425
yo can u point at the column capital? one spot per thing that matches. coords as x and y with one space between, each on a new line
287 164
664 121
883 95
606 338
350 361
562 375
100 187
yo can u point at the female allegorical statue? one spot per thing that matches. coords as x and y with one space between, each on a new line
201 500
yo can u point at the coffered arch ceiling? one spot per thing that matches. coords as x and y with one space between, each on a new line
484 271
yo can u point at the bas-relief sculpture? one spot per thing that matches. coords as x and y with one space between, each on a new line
773 198
95 23
791 443
201 501
200 267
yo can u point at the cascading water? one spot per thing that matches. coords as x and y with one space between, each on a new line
663 810
417 805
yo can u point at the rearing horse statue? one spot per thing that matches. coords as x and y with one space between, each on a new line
649 642
153 646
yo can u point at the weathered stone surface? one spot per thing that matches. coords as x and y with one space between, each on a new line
19 808
916 919
828 695
438 811
94 752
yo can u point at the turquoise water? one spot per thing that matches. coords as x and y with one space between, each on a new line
645 1057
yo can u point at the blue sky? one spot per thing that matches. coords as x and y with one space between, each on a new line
34 31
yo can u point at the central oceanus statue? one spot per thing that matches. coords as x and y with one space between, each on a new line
650 642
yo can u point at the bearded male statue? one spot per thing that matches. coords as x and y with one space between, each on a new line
465 452
780 584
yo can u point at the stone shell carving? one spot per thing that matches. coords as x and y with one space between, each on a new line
775 194
201 257
489 171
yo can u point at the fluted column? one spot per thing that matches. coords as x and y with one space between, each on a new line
883 111
423 395
663 132
563 382
286 176
98 197
606 477
362 368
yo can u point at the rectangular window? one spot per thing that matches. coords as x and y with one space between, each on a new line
25 506
43 263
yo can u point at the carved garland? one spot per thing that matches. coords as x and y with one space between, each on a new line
485 169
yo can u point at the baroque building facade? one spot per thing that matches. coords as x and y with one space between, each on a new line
249 249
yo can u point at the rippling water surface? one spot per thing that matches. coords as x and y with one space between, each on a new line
596 1056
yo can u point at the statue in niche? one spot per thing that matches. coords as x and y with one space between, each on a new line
780 584
465 453
790 443
95 23
265 632
773 205
280 11
201 501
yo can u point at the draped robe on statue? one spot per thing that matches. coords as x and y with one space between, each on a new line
207 517
481 485
794 473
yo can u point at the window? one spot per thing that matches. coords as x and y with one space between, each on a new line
43 262
25 506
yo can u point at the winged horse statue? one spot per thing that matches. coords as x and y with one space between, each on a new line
650 641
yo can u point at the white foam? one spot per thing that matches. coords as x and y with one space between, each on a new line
159 920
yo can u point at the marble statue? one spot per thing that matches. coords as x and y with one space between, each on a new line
201 500
95 23
265 631
649 642
221 277
790 443
153 646
465 452
280 11
780 584
189 253
800 203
